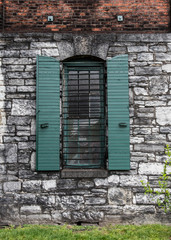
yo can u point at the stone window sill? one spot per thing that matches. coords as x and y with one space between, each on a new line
84 173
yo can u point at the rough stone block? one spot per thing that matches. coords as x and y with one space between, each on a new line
30 53
132 181
30 209
50 52
166 68
158 85
26 89
32 186
10 153
145 57
157 48
39 218
15 139
149 147
23 107
163 115
12 186
119 196
49 185
155 103
66 184
18 120
86 216
148 70
140 91
56 216
27 145
39 45
25 198
72 202
138 209
12 68
95 201
2 169
16 82
85 184
151 168
137 49
17 61
163 57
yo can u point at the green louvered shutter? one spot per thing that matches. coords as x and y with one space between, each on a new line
47 114
118 113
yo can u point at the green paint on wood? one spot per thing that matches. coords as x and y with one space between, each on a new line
118 112
47 111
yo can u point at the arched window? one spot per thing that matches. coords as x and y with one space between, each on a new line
83 113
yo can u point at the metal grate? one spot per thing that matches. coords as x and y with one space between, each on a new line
83 115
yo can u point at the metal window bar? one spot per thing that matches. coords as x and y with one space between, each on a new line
83 116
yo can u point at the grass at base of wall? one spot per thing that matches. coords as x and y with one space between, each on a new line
71 232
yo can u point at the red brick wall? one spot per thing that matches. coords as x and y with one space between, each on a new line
87 15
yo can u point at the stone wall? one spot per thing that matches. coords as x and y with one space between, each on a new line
27 196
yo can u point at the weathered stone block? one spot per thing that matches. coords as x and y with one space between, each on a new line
132 181
26 89
85 184
15 139
119 196
30 53
95 201
163 57
30 209
66 49
148 70
56 216
25 198
137 49
155 103
32 186
157 48
163 115
50 52
166 68
72 202
10 153
66 184
158 85
87 216
138 209
17 60
12 186
18 120
149 147
16 82
27 145
23 107
18 68
39 45
20 75
151 168
49 185
2 169
33 127
140 91
145 57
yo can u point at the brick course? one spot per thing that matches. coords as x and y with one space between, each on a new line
87 15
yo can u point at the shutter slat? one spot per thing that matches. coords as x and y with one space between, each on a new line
118 112
48 111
